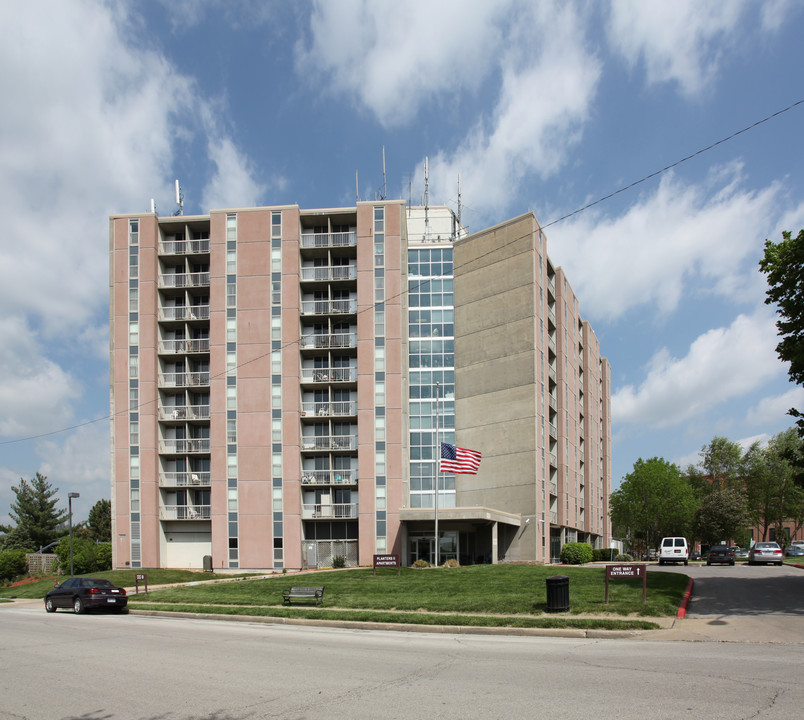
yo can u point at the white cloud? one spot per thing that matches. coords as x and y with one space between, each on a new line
771 410
394 57
680 239
234 183
722 364
680 41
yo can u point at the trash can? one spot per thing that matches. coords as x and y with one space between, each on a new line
558 593
207 563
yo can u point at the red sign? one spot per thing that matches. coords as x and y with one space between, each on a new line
628 571
138 578
387 561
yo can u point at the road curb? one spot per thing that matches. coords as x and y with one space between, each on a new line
682 609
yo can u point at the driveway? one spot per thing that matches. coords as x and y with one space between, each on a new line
760 603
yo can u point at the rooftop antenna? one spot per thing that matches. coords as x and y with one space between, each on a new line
384 183
459 206
179 200
153 206
357 191
426 197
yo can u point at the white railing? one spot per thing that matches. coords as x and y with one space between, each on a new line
553 431
183 379
193 345
329 477
554 488
184 446
184 412
328 307
329 273
184 312
185 512
329 442
328 409
343 340
321 240
183 479
327 375
184 280
339 511
554 516
184 247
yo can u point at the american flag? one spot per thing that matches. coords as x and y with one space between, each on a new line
459 460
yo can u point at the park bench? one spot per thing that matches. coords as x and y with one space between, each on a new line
296 593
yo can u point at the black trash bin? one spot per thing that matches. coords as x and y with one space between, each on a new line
558 593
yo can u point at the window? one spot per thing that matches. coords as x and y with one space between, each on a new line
133 299
133 232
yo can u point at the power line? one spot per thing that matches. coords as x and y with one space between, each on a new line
601 199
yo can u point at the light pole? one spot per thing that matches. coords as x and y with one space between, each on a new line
70 497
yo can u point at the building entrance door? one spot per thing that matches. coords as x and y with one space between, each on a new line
422 548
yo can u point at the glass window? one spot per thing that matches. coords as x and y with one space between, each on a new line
133 232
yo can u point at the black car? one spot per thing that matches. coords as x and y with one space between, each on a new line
720 554
82 593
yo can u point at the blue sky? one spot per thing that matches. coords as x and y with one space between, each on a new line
542 106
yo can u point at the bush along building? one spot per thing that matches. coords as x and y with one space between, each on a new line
282 380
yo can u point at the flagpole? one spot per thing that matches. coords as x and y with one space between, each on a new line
437 475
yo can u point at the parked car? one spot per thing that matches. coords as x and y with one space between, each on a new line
741 553
765 552
795 551
720 554
695 555
82 593
674 550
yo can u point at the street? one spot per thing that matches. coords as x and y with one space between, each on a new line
101 666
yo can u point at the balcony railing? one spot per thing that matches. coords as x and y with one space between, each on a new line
326 240
329 477
177 347
183 379
554 488
328 375
329 307
184 412
184 312
184 280
554 517
185 479
321 342
184 247
328 409
343 511
185 512
329 442
331 273
184 446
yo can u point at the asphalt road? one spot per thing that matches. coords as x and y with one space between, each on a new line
99 667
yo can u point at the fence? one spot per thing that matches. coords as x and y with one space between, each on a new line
40 564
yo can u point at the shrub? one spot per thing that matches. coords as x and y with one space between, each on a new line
603 554
421 564
12 564
452 562
623 557
339 561
88 557
576 553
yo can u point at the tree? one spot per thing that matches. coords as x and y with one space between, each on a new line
35 511
722 516
783 265
722 462
653 501
100 521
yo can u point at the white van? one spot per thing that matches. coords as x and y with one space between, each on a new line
674 550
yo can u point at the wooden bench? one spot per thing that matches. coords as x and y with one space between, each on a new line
295 593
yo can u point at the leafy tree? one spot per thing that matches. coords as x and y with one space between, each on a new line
783 265
88 556
35 511
653 501
12 564
17 539
722 516
100 521
722 461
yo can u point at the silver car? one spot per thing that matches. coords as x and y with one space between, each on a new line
765 552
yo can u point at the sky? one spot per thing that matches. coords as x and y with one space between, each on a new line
541 106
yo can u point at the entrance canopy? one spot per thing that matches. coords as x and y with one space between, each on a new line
470 514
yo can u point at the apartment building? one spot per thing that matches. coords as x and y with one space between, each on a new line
276 374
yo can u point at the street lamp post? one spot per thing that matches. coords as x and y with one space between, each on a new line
70 497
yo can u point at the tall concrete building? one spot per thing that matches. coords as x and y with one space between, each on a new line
281 378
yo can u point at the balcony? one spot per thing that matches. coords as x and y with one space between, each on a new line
329 240
344 511
329 307
184 312
553 431
182 347
183 280
185 479
554 488
329 375
554 517
184 412
329 442
329 477
184 247
184 446
328 409
185 512
332 273
324 342
183 379
553 401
